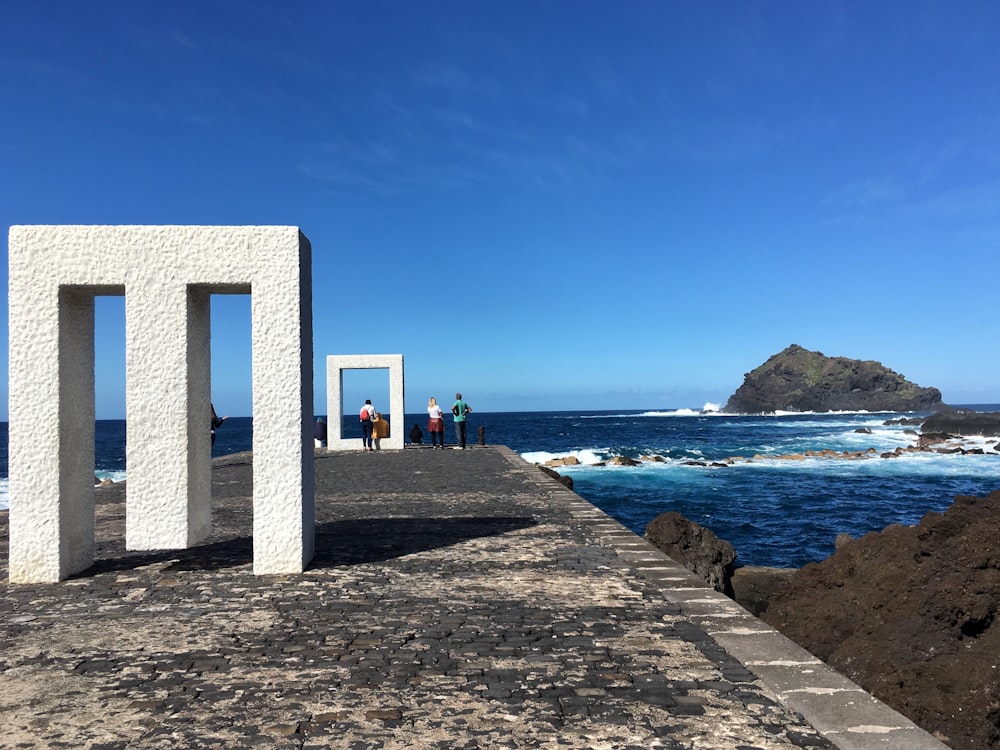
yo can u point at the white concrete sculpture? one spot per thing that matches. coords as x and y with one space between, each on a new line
167 274
335 366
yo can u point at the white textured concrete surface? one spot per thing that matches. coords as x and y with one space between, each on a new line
167 274
335 366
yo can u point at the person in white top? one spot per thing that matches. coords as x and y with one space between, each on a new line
367 412
435 423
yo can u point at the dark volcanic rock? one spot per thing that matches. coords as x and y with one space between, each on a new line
911 615
755 585
800 380
696 548
568 481
962 422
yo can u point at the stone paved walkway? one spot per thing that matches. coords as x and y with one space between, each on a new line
458 599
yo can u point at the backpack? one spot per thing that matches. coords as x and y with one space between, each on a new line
365 414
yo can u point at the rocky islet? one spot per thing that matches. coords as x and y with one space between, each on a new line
797 379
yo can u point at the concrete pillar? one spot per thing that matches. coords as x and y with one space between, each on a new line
174 376
281 310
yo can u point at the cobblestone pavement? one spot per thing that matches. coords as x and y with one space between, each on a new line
457 599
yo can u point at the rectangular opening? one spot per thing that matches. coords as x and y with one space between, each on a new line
361 384
109 387
232 376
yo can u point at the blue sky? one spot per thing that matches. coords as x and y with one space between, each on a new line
545 205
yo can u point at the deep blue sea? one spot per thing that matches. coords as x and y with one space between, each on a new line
774 511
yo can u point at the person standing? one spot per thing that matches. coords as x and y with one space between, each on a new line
435 423
460 410
216 422
367 412
380 429
319 433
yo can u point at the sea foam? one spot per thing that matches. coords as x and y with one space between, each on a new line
586 457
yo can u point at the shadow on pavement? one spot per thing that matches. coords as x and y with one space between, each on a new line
347 542
366 540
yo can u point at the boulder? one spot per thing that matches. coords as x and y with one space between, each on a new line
797 379
912 614
565 461
695 547
929 439
623 461
567 481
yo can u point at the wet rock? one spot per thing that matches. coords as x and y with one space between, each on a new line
565 461
928 439
623 461
567 481
962 422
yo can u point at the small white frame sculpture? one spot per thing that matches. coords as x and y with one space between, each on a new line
335 366
167 274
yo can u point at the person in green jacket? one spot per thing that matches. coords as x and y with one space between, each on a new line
460 409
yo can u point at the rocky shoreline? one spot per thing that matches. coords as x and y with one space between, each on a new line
911 613
957 432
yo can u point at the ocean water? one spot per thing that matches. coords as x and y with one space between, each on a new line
775 511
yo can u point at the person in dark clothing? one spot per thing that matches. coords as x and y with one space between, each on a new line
416 435
216 422
319 433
